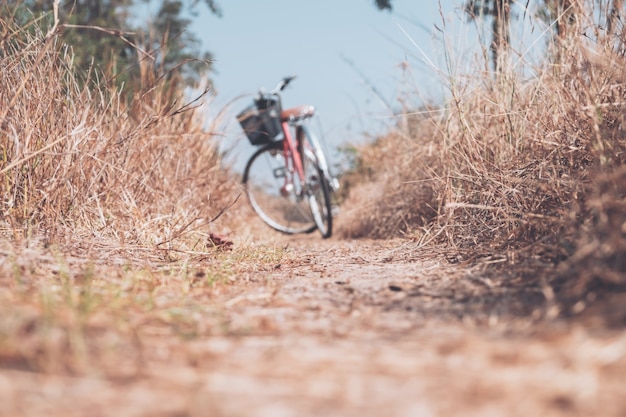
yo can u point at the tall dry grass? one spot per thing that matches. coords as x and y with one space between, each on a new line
513 170
111 213
82 165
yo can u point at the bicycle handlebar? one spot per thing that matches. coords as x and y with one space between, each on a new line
279 87
284 82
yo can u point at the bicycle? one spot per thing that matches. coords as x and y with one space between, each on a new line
287 180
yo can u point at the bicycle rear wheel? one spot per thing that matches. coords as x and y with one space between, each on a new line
281 205
318 188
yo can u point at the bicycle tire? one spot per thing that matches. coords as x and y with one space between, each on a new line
318 187
263 180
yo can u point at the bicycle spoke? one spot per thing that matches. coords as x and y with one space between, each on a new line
278 202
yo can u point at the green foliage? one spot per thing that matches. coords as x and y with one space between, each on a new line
108 38
179 45
383 4
108 53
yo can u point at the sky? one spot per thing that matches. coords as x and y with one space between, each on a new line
352 61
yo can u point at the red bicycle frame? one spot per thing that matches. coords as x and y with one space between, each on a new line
293 159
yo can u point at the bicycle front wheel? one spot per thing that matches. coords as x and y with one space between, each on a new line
280 203
318 188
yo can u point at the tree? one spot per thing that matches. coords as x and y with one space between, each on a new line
615 16
500 11
563 14
105 35
566 15
383 4
177 44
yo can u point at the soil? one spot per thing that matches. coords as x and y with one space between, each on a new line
357 328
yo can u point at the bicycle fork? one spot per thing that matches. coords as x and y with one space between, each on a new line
321 159
293 165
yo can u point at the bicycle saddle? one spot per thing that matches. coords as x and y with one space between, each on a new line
296 113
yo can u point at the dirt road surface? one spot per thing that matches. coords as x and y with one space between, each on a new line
354 328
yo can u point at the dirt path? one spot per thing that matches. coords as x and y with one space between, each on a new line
362 328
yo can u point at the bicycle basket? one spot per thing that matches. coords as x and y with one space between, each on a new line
260 121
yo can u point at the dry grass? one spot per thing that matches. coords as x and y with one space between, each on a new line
523 173
390 196
114 315
81 163
116 214
508 158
